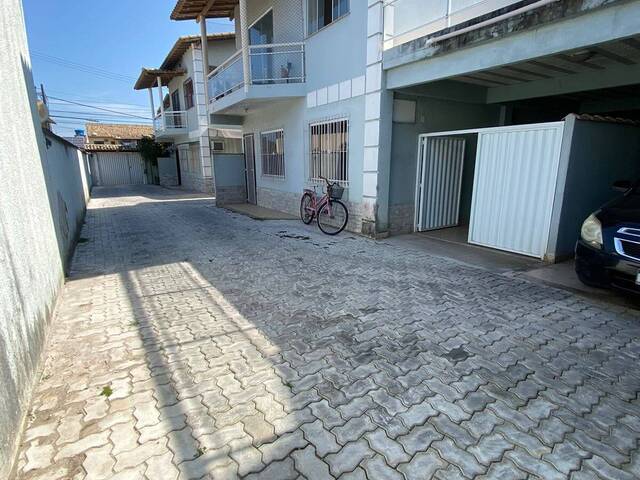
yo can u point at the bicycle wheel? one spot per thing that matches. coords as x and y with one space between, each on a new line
333 217
306 210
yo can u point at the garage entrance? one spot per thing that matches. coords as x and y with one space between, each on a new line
117 168
533 185
513 189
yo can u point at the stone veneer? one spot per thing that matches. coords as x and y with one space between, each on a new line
194 181
233 194
289 202
401 219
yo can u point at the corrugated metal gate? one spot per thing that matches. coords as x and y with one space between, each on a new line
514 187
439 182
516 171
117 168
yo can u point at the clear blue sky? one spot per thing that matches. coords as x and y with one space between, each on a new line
116 36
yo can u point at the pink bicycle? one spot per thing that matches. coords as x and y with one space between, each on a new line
330 212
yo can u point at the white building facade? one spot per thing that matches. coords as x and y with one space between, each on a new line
355 91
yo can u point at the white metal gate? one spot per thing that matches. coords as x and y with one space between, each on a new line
117 168
514 187
439 180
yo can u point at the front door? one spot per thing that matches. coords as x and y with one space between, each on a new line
250 168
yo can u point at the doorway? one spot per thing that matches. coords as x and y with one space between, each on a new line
250 167
261 33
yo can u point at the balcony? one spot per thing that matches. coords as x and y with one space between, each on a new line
408 20
275 71
170 123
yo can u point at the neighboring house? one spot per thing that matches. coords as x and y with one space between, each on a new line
113 136
79 139
114 156
180 116
481 91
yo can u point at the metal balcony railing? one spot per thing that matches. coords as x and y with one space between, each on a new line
277 63
170 120
407 20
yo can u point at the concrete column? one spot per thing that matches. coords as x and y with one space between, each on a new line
377 130
202 116
160 98
153 108
244 42
205 54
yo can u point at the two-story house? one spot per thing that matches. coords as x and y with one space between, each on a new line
179 108
506 120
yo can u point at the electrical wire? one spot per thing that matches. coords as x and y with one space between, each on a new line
82 67
98 108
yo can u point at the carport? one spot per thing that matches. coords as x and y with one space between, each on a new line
519 126
532 185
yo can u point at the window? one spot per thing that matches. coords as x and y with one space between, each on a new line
272 144
175 101
188 93
217 146
329 149
321 13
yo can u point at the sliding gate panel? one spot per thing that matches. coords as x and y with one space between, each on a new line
514 187
439 180
119 168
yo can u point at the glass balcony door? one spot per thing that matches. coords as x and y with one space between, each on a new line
261 33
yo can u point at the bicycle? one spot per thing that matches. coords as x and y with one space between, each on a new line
331 214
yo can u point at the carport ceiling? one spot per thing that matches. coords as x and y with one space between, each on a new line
594 59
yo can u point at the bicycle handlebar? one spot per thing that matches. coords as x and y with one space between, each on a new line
325 179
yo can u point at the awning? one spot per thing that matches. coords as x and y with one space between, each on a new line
192 9
226 131
149 77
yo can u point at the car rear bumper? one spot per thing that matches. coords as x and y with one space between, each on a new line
603 269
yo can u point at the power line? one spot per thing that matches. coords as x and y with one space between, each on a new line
76 118
79 112
99 108
82 67
93 99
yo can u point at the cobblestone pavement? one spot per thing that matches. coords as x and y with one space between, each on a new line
191 342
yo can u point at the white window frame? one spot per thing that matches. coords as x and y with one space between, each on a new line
333 20
341 162
272 156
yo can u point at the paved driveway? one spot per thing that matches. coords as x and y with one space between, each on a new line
191 341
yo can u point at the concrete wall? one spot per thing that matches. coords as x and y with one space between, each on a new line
432 115
68 185
594 155
31 254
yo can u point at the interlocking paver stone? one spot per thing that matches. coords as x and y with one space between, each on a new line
227 355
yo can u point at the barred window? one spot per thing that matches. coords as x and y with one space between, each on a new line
272 150
329 148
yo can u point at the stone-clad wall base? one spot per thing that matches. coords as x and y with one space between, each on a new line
227 195
168 180
289 202
192 181
401 219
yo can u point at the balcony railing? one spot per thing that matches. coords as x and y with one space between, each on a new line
407 20
277 63
170 121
